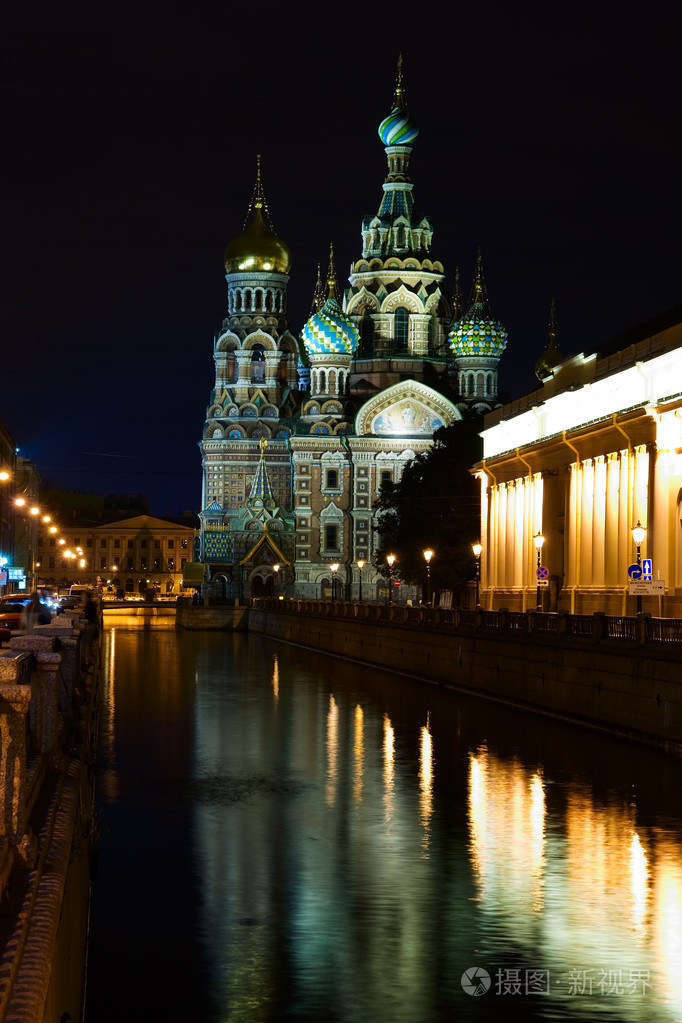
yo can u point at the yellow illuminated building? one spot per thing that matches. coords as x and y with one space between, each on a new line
582 460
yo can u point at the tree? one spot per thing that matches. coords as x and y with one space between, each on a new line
435 505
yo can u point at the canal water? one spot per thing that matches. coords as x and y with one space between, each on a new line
285 836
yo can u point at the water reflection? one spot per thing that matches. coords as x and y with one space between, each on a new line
305 842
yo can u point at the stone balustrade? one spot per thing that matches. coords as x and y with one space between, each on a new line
39 678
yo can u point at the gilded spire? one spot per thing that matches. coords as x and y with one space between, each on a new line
258 201
331 275
399 102
318 296
479 296
457 305
551 356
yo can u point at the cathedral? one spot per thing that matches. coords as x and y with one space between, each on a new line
302 432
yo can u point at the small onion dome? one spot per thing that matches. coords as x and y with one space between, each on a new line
483 337
329 332
257 248
398 129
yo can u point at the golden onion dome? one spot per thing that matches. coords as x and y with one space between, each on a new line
257 248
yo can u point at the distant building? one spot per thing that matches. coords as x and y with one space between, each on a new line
300 437
134 555
581 461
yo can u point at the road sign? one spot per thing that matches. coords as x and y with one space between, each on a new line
647 568
646 587
635 572
542 572
543 583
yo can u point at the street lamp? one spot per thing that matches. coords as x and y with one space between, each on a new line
334 567
428 554
477 548
639 535
275 569
390 559
538 541
361 565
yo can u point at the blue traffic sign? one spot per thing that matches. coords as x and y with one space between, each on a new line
542 572
647 568
635 572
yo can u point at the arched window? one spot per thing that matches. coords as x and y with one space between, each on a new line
366 333
257 363
401 328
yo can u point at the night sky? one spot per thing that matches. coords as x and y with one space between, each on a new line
129 159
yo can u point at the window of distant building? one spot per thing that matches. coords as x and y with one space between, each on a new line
143 544
130 545
143 564
117 543
102 543
50 562
157 544
157 564
184 542
131 564
102 562
171 564
88 542
331 537
171 545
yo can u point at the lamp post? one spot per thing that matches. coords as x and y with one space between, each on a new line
639 535
334 567
538 541
390 559
361 565
428 554
275 569
477 548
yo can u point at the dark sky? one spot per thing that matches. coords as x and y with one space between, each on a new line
129 159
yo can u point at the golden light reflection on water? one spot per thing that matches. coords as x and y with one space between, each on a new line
108 779
666 914
426 784
275 678
358 752
594 879
389 768
639 882
507 833
332 751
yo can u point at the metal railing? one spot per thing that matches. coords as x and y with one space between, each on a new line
596 627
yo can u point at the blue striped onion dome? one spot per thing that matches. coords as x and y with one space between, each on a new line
473 336
398 129
330 332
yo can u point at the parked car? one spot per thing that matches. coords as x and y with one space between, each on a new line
11 610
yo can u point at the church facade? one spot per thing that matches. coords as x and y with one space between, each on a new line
301 433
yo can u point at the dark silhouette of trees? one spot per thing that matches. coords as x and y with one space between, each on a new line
435 505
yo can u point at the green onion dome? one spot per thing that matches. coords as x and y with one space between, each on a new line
398 129
329 332
477 333
482 337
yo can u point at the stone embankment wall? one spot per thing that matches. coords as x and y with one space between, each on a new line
211 617
623 685
49 687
